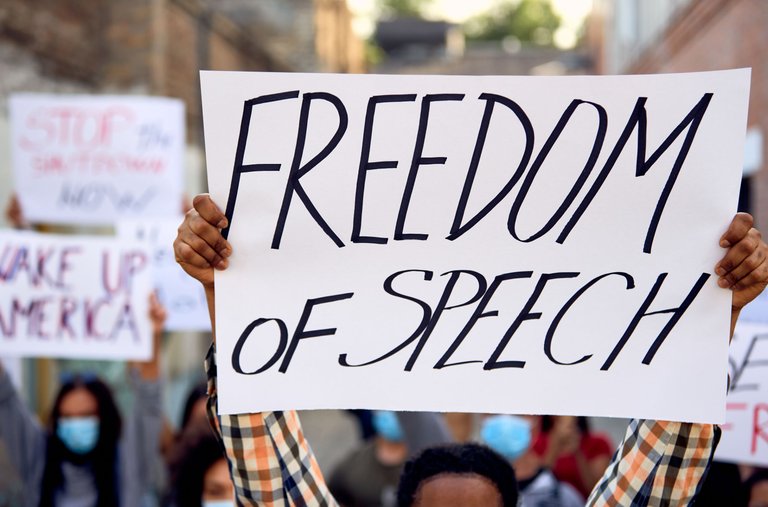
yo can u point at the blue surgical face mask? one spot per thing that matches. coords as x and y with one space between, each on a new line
387 426
79 434
218 503
508 435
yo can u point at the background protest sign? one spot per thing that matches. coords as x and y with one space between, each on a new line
73 296
745 434
82 159
183 297
485 244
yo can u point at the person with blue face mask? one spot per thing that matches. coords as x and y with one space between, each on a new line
368 476
89 456
511 436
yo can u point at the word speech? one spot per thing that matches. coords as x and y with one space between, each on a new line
74 297
486 244
90 160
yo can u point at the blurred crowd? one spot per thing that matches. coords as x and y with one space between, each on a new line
91 454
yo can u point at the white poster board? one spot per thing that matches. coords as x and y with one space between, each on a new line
74 297
82 159
745 434
481 244
182 296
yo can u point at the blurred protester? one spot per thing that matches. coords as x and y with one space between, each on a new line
722 486
88 456
573 453
199 472
645 470
364 420
368 476
11 487
511 437
756 487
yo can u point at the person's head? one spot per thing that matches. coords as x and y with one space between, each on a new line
387 426
84 418
757 488
457 475
85 427
548 422
199 468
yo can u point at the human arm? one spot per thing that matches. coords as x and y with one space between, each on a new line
23 438
142 467
14 214
269 457
665 462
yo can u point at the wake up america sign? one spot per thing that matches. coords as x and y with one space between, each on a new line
488 244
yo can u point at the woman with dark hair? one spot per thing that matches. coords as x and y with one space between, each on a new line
88 457
82 445
573 453
199 471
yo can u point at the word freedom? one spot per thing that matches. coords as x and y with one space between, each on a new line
637 121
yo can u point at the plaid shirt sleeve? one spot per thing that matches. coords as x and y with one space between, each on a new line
657 463
270 461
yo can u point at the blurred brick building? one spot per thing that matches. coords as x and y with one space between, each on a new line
652 36
157 47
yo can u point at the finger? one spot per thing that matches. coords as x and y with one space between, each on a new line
209 211
739 227
758 276
202 248
185 254
210 234
738 252
748 265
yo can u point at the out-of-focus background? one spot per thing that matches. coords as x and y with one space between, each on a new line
157 47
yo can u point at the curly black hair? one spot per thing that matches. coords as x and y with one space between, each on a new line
461 459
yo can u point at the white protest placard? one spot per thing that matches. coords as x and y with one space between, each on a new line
183 297
745 434
480 244
82 159
74 296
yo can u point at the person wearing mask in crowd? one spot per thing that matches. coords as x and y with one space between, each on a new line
575 455
274 464
89 456
511 436
199 472
368 476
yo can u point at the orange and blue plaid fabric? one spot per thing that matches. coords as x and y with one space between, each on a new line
270 461
658 463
